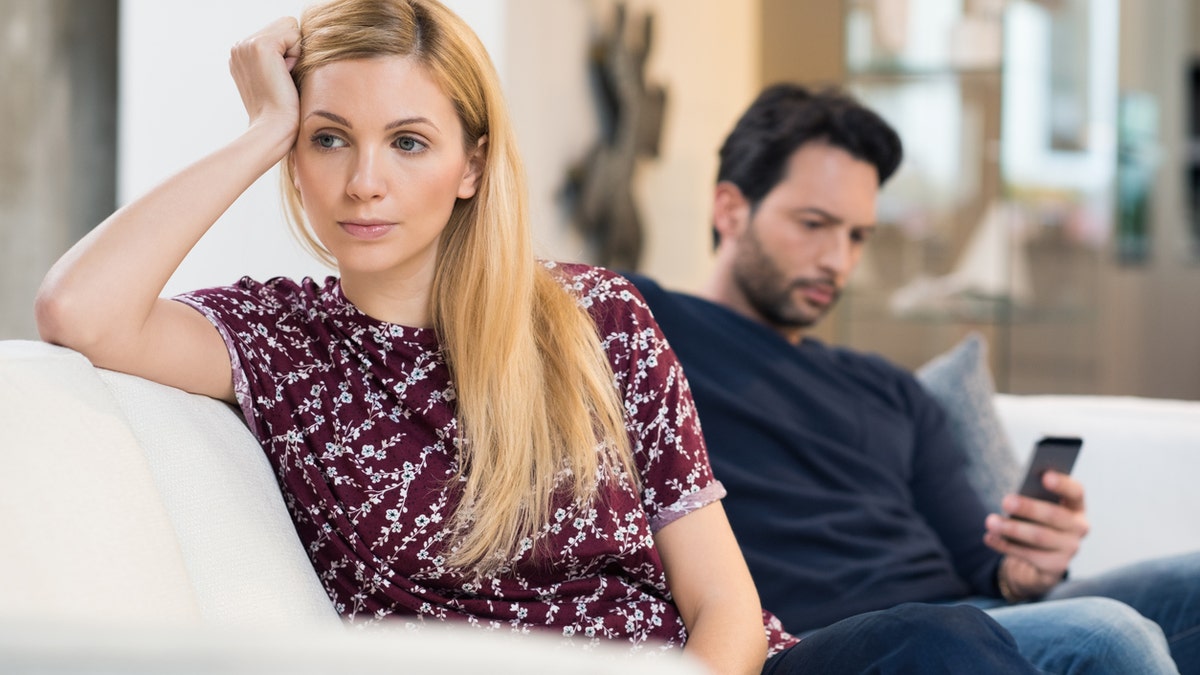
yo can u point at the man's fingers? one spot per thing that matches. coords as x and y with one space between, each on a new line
1065 486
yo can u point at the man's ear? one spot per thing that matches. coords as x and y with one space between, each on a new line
475 163
731 210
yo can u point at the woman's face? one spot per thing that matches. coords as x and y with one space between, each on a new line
379 162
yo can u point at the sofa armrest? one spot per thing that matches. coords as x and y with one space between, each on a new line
86 534
1139 464
122 498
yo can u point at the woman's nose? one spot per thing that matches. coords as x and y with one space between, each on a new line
367 181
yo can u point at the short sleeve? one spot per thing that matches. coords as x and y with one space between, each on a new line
255 321
660 416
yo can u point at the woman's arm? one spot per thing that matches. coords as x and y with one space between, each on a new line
714 592
101 297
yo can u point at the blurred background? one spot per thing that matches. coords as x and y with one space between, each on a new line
1049 198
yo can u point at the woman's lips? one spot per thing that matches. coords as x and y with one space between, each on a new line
366 229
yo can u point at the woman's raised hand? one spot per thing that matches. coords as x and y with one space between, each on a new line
94 301
261 66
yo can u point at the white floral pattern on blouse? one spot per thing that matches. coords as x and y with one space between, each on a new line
357 417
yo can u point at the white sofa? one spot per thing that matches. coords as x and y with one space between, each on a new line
141 523
141 530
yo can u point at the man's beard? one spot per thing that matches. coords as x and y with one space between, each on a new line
771 295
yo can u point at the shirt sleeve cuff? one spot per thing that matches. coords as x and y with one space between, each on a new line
706 495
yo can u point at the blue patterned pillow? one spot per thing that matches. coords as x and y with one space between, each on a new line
960 381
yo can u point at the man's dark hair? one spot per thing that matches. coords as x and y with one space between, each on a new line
787 116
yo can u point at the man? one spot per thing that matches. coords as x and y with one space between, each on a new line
845 488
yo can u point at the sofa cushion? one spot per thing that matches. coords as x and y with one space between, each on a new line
84 531
241 550
451 648
961 382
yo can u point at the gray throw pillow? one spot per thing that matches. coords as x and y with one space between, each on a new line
960 381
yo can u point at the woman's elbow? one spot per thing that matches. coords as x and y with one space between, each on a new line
61 319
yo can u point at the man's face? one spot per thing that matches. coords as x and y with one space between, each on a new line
794 253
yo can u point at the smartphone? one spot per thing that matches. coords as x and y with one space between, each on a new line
1052 453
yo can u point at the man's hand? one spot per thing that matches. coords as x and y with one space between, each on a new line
1038 538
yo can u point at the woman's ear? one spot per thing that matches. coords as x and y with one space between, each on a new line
475 164
291 165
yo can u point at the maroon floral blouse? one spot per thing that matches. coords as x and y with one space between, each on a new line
357 417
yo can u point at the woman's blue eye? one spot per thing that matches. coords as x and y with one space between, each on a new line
327 141
408 144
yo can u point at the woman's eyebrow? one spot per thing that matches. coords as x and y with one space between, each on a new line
411 120
338 119
405 121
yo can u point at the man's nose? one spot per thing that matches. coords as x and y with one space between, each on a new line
837 254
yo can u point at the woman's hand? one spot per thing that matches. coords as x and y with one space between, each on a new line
93 300
261 66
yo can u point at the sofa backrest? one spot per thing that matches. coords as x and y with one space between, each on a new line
242 553
1139 463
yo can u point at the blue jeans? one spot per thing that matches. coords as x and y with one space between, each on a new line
1144 618
909 638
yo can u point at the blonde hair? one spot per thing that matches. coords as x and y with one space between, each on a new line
536 395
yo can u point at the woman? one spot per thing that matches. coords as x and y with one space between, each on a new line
442 415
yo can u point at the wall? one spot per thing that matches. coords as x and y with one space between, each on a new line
706 54
702 51
58 78
802 41
546 84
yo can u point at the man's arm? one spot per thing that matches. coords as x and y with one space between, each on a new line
944 496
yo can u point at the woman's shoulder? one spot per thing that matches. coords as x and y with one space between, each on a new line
592 283
612 300
573 274
274 291
277 296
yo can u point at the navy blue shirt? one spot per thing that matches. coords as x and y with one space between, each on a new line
846 489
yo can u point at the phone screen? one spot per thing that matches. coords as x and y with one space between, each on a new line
1052 453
